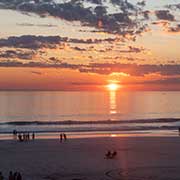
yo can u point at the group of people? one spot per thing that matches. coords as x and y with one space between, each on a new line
25 136
62 136
12 176
110 154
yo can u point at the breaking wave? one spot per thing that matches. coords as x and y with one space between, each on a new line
73 122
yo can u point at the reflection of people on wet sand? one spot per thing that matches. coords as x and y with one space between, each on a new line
11 177
19 177
110 155
15 176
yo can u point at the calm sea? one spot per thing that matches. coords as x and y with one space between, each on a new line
83 112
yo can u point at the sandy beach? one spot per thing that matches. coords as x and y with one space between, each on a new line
146 158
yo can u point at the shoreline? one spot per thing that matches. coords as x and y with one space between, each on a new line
93 134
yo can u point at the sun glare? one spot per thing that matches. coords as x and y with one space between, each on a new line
113 87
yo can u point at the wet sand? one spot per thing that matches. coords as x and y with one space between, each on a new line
138 158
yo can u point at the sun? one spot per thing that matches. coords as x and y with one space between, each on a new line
113 86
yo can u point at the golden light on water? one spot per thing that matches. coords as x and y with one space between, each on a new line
112 88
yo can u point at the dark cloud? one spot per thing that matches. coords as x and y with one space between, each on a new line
123 22
132 69
141 3
146 14
55 60
103 68
173 6
135 49
124 5
37 42
78 48
164 15
95 1
162 23
130 49
17 54
164 81
175 29
36 72
31 42
37 25
168 27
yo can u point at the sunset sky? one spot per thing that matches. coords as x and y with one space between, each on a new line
87 44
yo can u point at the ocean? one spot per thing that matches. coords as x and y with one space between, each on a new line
89 113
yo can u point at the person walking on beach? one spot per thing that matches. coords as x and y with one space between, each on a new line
1 176
65 137
61 137
11 177
20 137
15 134
33 136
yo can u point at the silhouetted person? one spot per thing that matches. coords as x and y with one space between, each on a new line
19 177
28 136
15 134
33 136
108 154
1 176
113 154
65 137
11 177
61 137
15 176
20 137
24 137
179 131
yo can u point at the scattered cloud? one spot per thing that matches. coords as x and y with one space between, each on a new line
164 15
17 54
174 6
123 21
175 29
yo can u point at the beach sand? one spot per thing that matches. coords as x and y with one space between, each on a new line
138 158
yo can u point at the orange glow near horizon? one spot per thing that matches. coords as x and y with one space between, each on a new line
113 87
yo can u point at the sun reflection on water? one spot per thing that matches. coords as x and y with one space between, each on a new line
112 102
